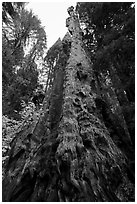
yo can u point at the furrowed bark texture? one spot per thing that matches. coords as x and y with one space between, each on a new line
69 154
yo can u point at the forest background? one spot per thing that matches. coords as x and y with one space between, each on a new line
108 33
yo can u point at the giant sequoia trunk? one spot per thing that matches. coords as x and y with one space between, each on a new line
68 154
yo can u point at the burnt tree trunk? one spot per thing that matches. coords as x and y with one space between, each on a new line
67 154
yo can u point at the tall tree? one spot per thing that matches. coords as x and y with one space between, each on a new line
24 43
68 154
109 32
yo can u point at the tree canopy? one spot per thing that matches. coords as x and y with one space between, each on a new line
23 44
109 36
76 142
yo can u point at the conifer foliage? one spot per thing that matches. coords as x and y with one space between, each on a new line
78 146
23 42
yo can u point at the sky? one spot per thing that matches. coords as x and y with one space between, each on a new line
53 17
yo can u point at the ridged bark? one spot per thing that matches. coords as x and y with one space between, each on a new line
69 155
